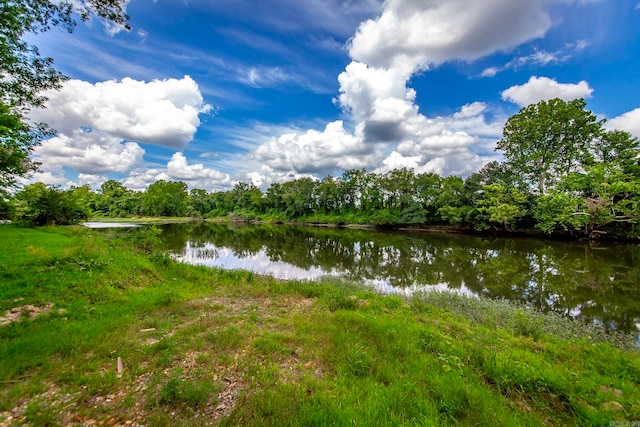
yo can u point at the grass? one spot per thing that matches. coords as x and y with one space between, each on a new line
202 346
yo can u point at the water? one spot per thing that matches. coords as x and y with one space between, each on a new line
100 225
596 283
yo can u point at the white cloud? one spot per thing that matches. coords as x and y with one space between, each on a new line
544 88
316 152
451 145
539 58
209 155
361 85
629 122
265 176
48 178
456 144
490 72
463 163
94 181
88 152
178 169
264 76
163 112
424 33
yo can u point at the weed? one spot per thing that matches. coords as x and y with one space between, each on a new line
527 326
41 415
225 339
357 361
177 391
273 343
340 300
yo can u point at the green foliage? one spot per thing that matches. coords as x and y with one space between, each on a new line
502 205
38 204
146 239
555 211
115 200
16 142
164 198
548 140
384 217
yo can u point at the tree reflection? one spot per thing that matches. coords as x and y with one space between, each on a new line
598 284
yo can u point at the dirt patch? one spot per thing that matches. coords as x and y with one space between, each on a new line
228 398
28 311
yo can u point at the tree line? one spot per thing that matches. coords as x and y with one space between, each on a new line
563 172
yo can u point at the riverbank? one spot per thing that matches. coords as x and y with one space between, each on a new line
144 219
121 335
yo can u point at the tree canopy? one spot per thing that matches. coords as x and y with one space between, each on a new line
25 74
550 139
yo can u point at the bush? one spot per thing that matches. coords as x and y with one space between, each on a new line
38 204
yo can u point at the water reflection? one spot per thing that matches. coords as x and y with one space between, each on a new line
599 284
101 225
259 262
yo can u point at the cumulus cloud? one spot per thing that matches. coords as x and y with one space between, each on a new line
629 122
456 144
163 112
88 153
93 181
49 178
424 33
178 169
544 88
101 125
315 152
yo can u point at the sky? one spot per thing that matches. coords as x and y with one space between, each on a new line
213 93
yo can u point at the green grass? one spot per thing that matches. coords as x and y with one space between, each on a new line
201 345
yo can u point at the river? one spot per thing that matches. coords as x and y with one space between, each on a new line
594 282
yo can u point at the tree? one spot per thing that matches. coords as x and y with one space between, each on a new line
111 200
15 137
451 201
38 204
501 204
549 139
620 148
327 195
200 202
298 197
24 74
166 198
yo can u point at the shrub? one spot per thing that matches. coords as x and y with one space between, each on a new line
38 204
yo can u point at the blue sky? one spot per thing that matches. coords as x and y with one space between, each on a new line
216 92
